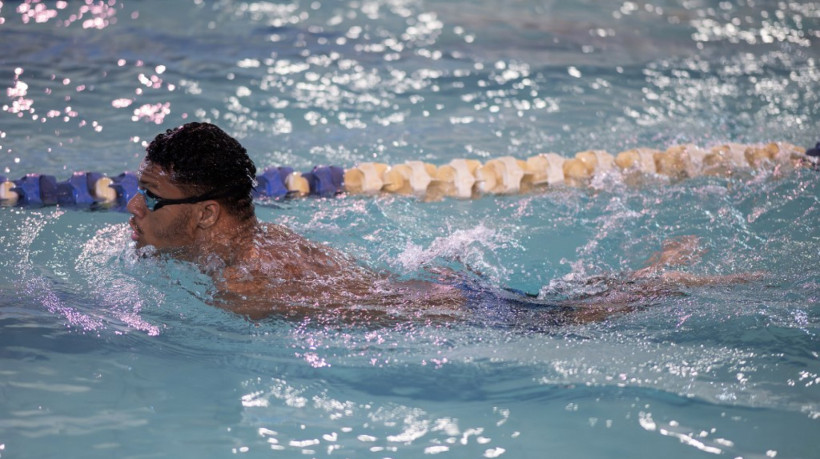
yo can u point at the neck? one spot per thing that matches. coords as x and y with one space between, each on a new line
226 242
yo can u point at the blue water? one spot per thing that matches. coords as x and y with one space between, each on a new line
103 354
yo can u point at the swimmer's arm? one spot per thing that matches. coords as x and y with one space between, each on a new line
256 301
677 278
592 310
634 295
257 308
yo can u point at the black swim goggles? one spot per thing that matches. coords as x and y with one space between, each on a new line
154 202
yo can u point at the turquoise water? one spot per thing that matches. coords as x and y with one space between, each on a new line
103 354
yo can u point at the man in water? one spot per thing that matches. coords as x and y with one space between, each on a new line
195 204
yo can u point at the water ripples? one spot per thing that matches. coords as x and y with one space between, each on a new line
132 345
385 81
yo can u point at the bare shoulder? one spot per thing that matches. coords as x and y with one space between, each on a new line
281 272
275 253
278 265
285 249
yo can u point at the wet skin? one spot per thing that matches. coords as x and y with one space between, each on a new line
168 228
263 269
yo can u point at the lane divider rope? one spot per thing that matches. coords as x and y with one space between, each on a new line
460 178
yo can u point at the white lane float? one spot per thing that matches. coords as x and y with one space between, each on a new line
410 178
365 178
456 179
501 175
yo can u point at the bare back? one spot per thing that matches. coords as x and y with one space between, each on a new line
281 272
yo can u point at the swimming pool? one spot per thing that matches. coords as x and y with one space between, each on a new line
104 354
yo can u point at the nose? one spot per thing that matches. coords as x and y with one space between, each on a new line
136 206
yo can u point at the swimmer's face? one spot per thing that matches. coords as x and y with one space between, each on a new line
168 228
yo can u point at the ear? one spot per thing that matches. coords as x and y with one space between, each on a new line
209 214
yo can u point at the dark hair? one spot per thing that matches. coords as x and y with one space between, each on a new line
204 158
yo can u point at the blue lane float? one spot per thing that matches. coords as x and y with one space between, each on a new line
35 190
271 183
459 178
125 187
78 191
326 181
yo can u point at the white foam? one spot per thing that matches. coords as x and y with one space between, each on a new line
454 246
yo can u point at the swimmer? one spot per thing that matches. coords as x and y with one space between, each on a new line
195 204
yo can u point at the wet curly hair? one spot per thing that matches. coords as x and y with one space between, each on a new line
203 158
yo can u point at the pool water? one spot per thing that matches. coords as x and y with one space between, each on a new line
105 354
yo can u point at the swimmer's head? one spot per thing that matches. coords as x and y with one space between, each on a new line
814 152
813 157
204 159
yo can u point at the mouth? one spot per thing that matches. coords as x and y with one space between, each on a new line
135 230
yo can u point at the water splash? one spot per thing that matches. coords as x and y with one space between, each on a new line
465 245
